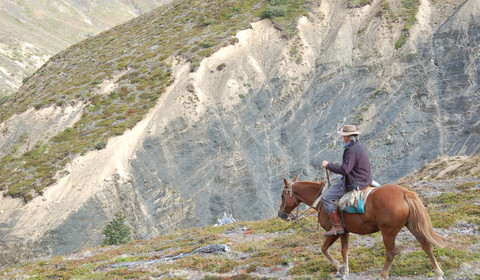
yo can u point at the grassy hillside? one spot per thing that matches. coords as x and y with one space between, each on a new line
273 248
33 31
134 56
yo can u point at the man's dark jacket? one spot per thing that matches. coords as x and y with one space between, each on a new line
355 168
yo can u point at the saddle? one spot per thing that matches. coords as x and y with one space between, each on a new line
354 201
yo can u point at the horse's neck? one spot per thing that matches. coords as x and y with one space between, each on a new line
307 192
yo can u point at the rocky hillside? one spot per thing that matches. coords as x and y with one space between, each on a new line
33 31
201 108
274 249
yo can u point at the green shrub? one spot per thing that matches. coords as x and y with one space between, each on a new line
28 197
117 232
273 12
400 42
466 186
100 145
278 2
360 3
208 21
206 44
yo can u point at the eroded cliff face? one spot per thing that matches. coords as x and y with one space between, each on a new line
222 138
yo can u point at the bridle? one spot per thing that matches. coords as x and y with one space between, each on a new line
288 190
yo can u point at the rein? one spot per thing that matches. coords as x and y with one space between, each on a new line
320 195
298 216
328 177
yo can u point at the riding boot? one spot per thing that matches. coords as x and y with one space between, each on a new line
337 227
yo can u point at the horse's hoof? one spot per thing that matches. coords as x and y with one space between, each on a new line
343 269
342 272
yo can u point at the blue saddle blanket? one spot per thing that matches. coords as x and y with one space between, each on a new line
359 208
354 201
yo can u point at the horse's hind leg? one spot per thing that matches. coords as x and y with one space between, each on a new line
428 249
329 240
389 235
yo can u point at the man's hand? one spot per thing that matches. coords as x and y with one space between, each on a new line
325 163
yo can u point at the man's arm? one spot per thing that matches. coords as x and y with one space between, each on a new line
346 166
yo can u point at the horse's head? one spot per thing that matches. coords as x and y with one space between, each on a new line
289 201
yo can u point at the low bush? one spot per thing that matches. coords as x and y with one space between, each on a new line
117 232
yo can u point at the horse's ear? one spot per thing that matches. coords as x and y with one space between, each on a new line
285 182
295 179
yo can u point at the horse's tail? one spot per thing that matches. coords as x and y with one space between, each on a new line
419 220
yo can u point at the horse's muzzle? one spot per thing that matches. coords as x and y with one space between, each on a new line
283 215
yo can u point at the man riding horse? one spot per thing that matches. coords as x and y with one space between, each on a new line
355 171
389 208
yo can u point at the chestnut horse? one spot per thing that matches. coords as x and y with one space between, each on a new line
388 209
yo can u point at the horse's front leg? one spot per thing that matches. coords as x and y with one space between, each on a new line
343 270
327 242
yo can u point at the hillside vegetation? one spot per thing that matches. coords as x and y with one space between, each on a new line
33 31
137 58
275 249
134 55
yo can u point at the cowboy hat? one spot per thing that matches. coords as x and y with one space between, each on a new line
348 130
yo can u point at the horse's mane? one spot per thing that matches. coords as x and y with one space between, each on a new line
311 182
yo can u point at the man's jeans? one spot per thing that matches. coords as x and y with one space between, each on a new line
330 197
